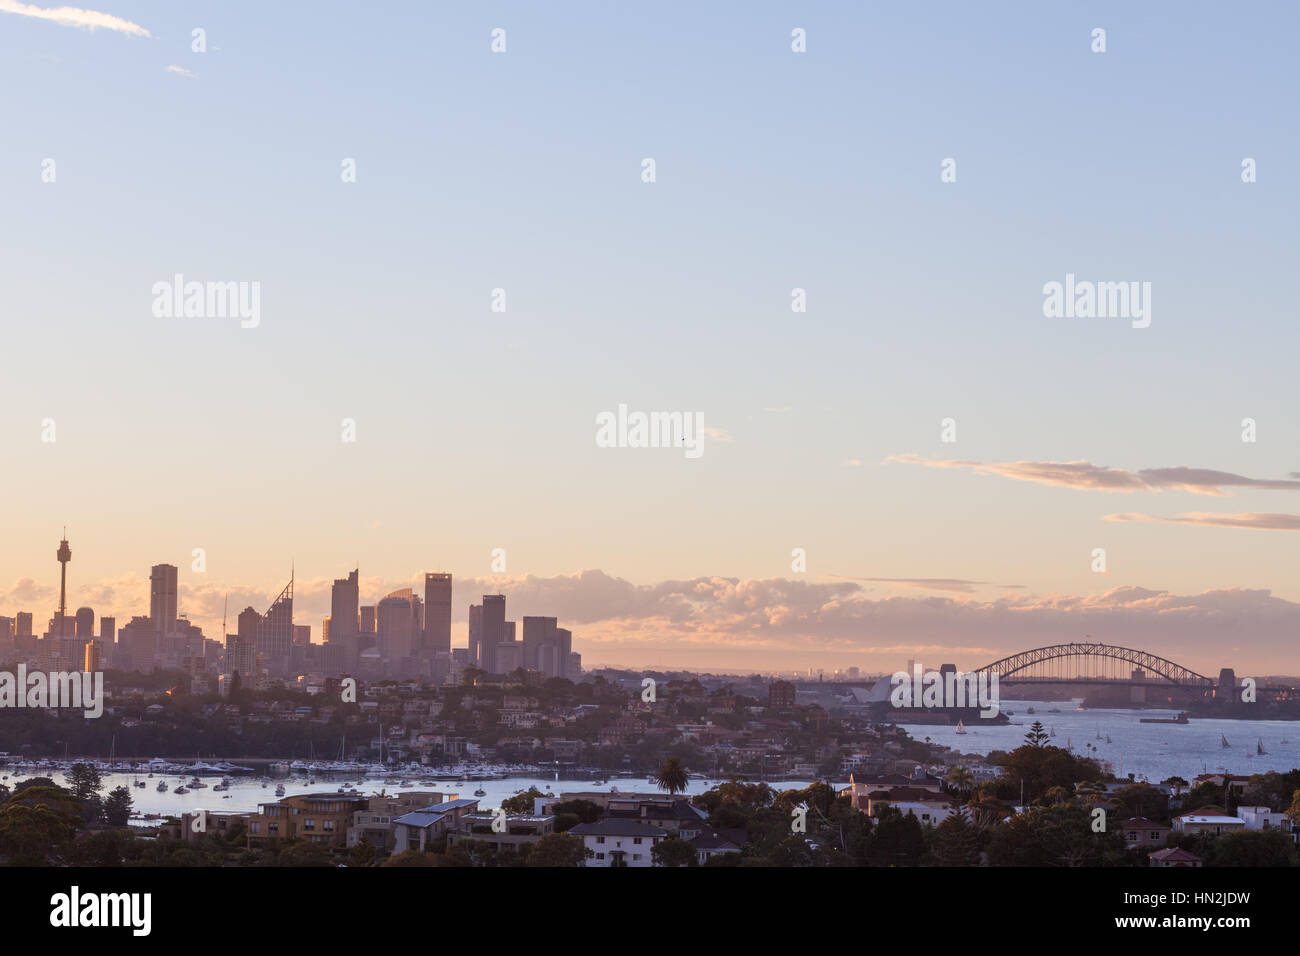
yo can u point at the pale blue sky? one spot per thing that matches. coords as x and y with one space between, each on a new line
522 171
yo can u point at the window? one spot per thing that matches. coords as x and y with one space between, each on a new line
636 856
636 840
600 839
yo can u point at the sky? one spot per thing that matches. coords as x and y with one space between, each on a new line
774 170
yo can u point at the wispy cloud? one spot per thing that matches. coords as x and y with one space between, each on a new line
1259 520
853 463
952 585
74 17
717 434
182 72
1089 477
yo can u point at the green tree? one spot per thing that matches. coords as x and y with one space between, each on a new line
85 780
117 807
1270 847
673 851
521 802
558 849
1037 735
956 842
671 776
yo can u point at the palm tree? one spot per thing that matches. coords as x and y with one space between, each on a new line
671 776
961 779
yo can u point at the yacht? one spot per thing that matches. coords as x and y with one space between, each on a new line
279 790
180 790
162 786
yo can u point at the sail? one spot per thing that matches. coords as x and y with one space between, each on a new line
1259 746
1225 743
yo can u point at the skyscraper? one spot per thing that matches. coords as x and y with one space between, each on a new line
162 599
493 630
275 631
85 621
345 599
395 623
437 613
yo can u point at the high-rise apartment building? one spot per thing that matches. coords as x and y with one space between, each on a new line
345 600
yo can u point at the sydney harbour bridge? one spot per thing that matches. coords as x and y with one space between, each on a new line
1145 676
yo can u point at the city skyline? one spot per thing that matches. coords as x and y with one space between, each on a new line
718 624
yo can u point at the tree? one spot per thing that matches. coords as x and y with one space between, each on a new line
671 776
117 807
521 802
85 780
1037 735
673 851
1270 847
29 834
956 842
558 849
961 780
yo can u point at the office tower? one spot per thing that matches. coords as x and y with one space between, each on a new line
325 631
85 622
345 597
437 613
564 638
573 666
302 633
509 657
108 630
275 631
23 624
538 631
94 659
139 640
162 599
474 657
64 555
6 628
493 630
395 625
241 651
368 620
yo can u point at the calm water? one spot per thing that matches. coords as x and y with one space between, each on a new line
1151 751
246 791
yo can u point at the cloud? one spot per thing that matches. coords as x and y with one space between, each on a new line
182 71
955 585
74 17
753 624
1249 519
852 463
1089 477
717 434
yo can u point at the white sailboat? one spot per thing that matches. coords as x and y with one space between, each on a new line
961 728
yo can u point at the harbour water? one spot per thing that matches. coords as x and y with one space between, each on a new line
246 792
1151 752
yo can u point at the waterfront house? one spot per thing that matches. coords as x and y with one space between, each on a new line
313 817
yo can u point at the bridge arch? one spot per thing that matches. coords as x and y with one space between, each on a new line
1152 663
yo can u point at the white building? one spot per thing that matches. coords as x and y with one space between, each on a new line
1208 823
932 813
1262 818
619 842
